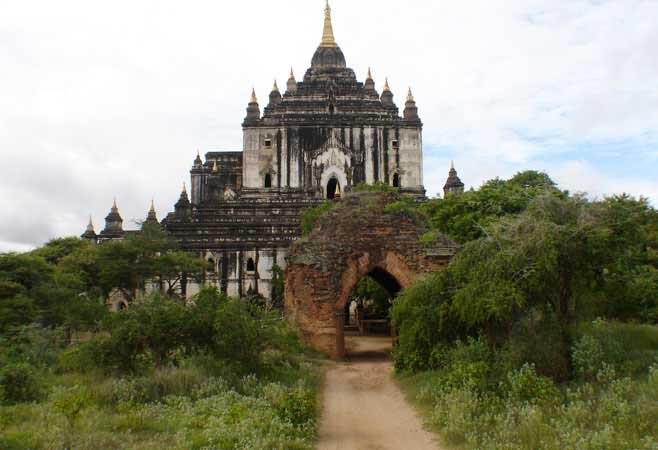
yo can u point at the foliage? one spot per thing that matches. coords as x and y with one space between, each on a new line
18 383
368 290
310 216
128 264
476 402
379 186
278 287
464 217
406 207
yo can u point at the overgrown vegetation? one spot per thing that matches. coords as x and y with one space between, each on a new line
214 372
504 349
310 216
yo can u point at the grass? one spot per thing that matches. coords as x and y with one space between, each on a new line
195 405
615 408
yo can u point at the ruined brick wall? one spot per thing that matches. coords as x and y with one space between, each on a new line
348 243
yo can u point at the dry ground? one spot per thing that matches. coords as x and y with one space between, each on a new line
363 408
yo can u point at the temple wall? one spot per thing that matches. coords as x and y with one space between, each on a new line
411 158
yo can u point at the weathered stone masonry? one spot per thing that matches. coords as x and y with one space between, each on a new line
355 239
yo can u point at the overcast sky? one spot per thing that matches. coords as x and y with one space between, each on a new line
114 98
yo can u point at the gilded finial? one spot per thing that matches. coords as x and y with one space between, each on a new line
292 75
386 86
184 188
253 96
275 88
328 31
114 203
410 96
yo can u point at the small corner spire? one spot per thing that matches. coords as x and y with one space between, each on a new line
253 96
114 203
328 39
410 96
275 88
184 189
452 164
292 74
386 86
369 74
90 225
152 205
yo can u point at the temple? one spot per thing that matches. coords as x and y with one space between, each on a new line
322 136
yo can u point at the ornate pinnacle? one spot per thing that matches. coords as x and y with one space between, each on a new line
386 87
114 203
184 189
90 226
292 75
410 96
275 88
328 32
369 74
152 206
253 96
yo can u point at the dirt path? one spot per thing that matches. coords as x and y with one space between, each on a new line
363 409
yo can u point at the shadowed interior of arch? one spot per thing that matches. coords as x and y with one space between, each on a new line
331 188
367 309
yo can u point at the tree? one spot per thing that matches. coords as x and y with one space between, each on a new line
464 217
150 255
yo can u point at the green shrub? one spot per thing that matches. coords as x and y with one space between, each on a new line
406 207
375 187
524 385
587 356
19 383
311 215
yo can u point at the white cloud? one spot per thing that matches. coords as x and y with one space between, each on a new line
104 99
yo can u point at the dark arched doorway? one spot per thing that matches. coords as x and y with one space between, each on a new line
333 188
367 316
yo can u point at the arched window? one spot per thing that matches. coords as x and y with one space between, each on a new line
268 181
251 266
396 180
122 306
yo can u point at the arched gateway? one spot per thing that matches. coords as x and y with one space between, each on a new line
357 238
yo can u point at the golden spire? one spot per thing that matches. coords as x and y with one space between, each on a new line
184 188
215 169
253 96
337 191
386 87
410 96
275 87
292 75
328 32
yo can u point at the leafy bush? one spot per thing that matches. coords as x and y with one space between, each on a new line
311 215
524 385
375 187
19 383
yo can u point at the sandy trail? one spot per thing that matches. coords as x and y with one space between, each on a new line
363 409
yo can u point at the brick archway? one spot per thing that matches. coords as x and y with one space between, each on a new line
355 239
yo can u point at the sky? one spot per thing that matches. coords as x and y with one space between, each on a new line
114 99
